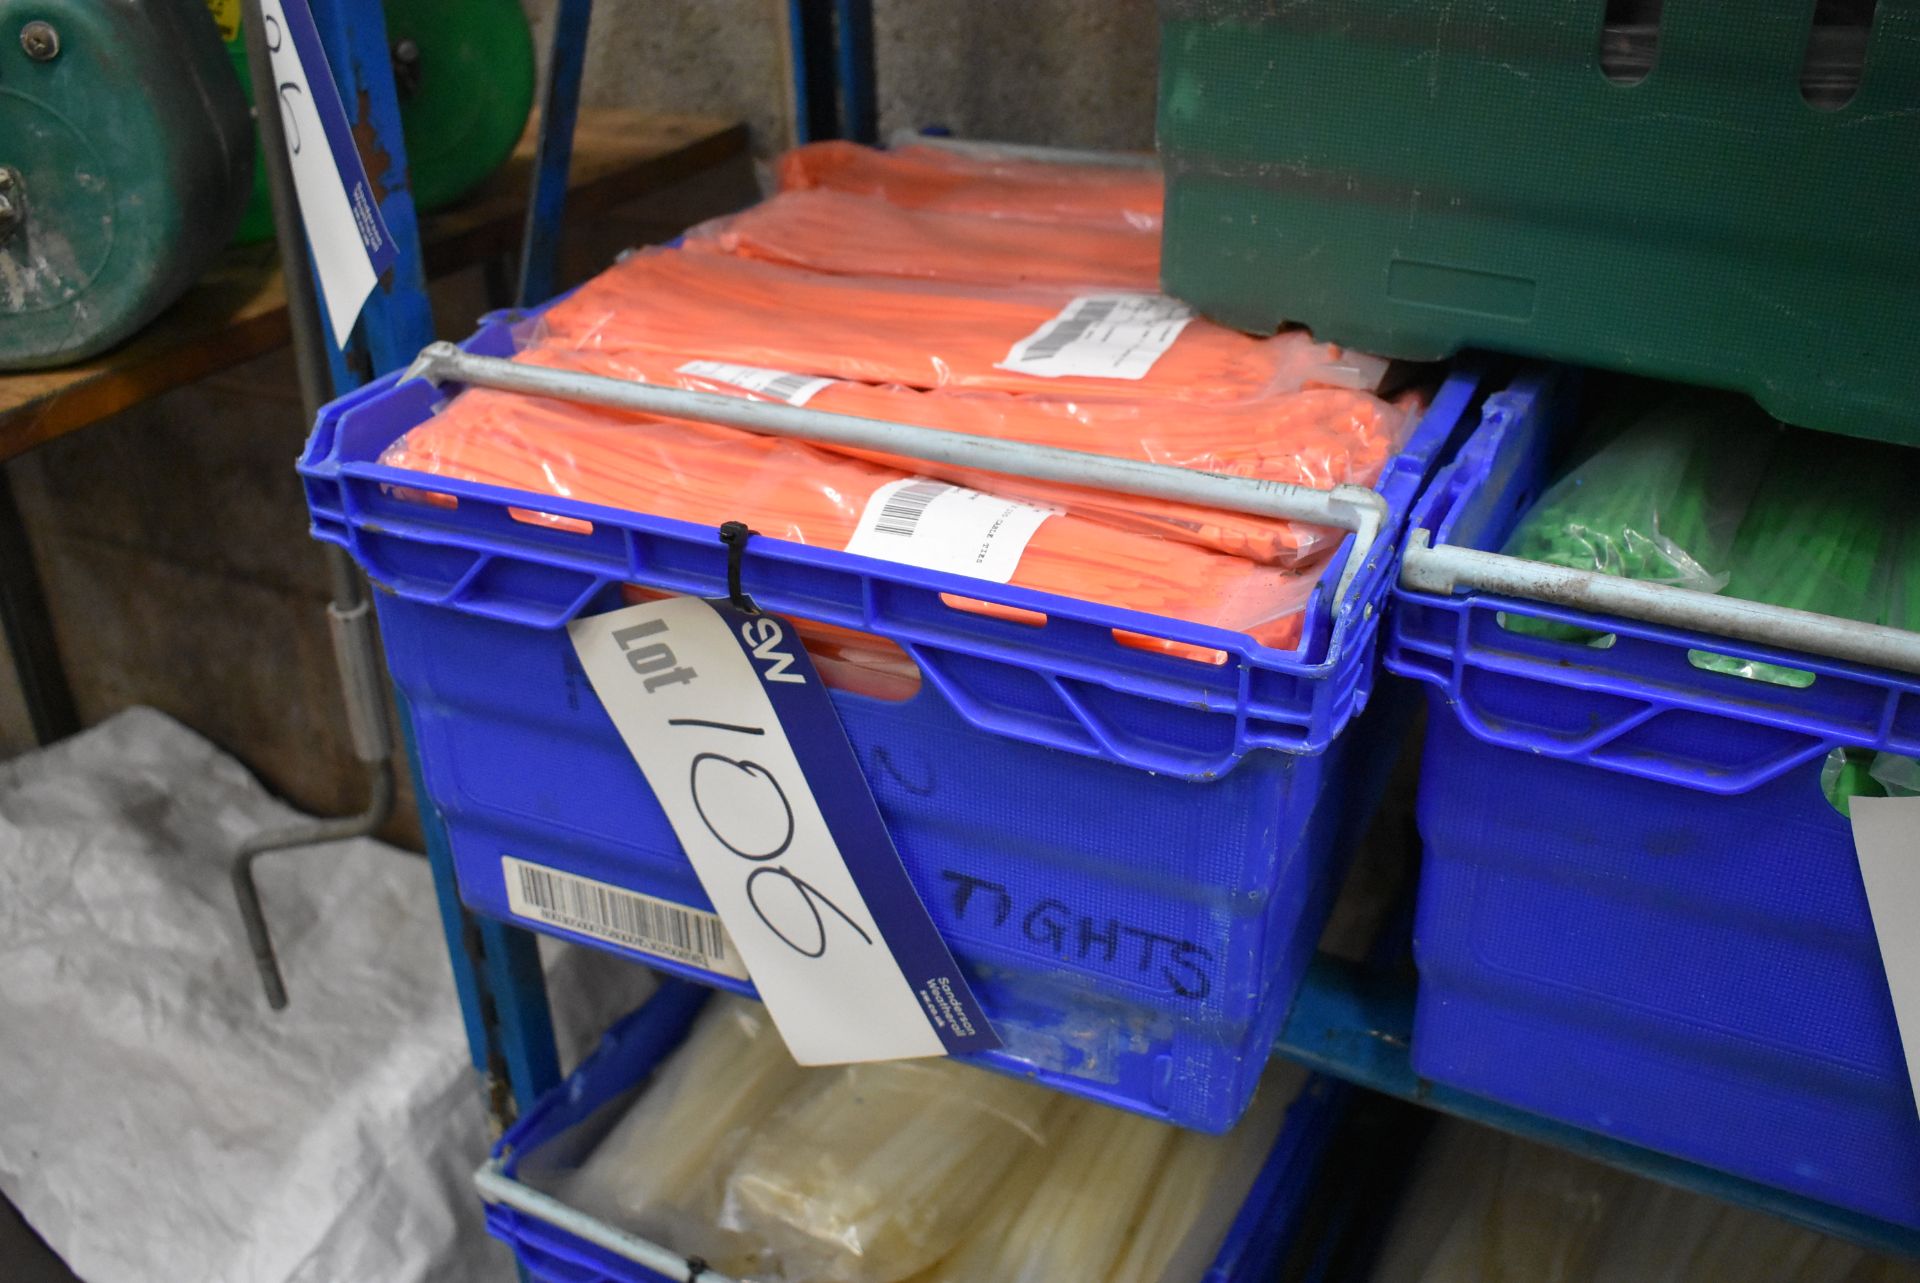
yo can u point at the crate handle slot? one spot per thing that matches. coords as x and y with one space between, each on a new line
1440 569
496 1186
1346 507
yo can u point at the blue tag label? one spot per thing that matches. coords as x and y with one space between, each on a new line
839 788
337 133
726 717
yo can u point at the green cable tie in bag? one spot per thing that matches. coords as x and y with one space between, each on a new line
1659 502
1815 539
1858 772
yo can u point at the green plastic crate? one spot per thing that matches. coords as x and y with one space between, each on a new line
1424 176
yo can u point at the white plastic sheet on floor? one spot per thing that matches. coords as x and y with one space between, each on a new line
156 1120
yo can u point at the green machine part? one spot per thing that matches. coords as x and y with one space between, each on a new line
1719 192
465 73
124 165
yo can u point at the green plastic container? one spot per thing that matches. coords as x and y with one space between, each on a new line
464 70
1420 177
124 157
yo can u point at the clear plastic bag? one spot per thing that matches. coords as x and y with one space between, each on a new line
821 230
926 1170
1488 1208
1816 536
660 1171
1661 501
1201 1186
1318 437
1847 773
936 178
927 334
877 1171
785 489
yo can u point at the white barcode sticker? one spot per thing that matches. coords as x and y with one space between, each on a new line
1102 336
640 922
794 389
936 526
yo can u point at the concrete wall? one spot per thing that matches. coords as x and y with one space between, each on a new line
1076 73
1073 72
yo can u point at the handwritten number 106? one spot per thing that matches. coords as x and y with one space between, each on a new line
716 778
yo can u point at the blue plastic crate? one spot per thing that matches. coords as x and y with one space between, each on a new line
1638 912
1131 853
561 1129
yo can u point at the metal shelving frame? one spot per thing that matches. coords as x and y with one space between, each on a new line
1351 1022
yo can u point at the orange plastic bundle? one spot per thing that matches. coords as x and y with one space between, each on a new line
784 489
924 334
845 658
1320 437
923 177
836 232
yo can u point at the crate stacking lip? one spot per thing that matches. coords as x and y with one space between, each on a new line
558 1243
1638 912
1131 853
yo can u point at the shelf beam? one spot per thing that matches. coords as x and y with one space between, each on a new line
1357 1024
238 310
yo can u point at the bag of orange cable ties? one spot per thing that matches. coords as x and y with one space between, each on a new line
1151 557
959 358
704 473
1320 437
840 233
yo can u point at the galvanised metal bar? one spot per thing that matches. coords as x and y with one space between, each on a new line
1345 507
1443 568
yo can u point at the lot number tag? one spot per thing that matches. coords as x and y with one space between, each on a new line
727 719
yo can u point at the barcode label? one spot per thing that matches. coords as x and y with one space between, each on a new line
900 513
778 385
643 923
1068 329
1102 336
941 527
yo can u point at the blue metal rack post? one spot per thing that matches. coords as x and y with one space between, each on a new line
832 59
496 967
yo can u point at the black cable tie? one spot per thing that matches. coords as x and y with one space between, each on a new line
734 534
696 1265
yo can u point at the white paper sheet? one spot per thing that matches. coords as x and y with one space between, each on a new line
157 1122
1886 837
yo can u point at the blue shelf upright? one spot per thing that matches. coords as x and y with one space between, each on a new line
496 966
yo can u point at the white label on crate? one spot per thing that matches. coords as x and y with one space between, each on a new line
1102 336
643 923
724 714
936 526
781 385
345 231
1886 837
